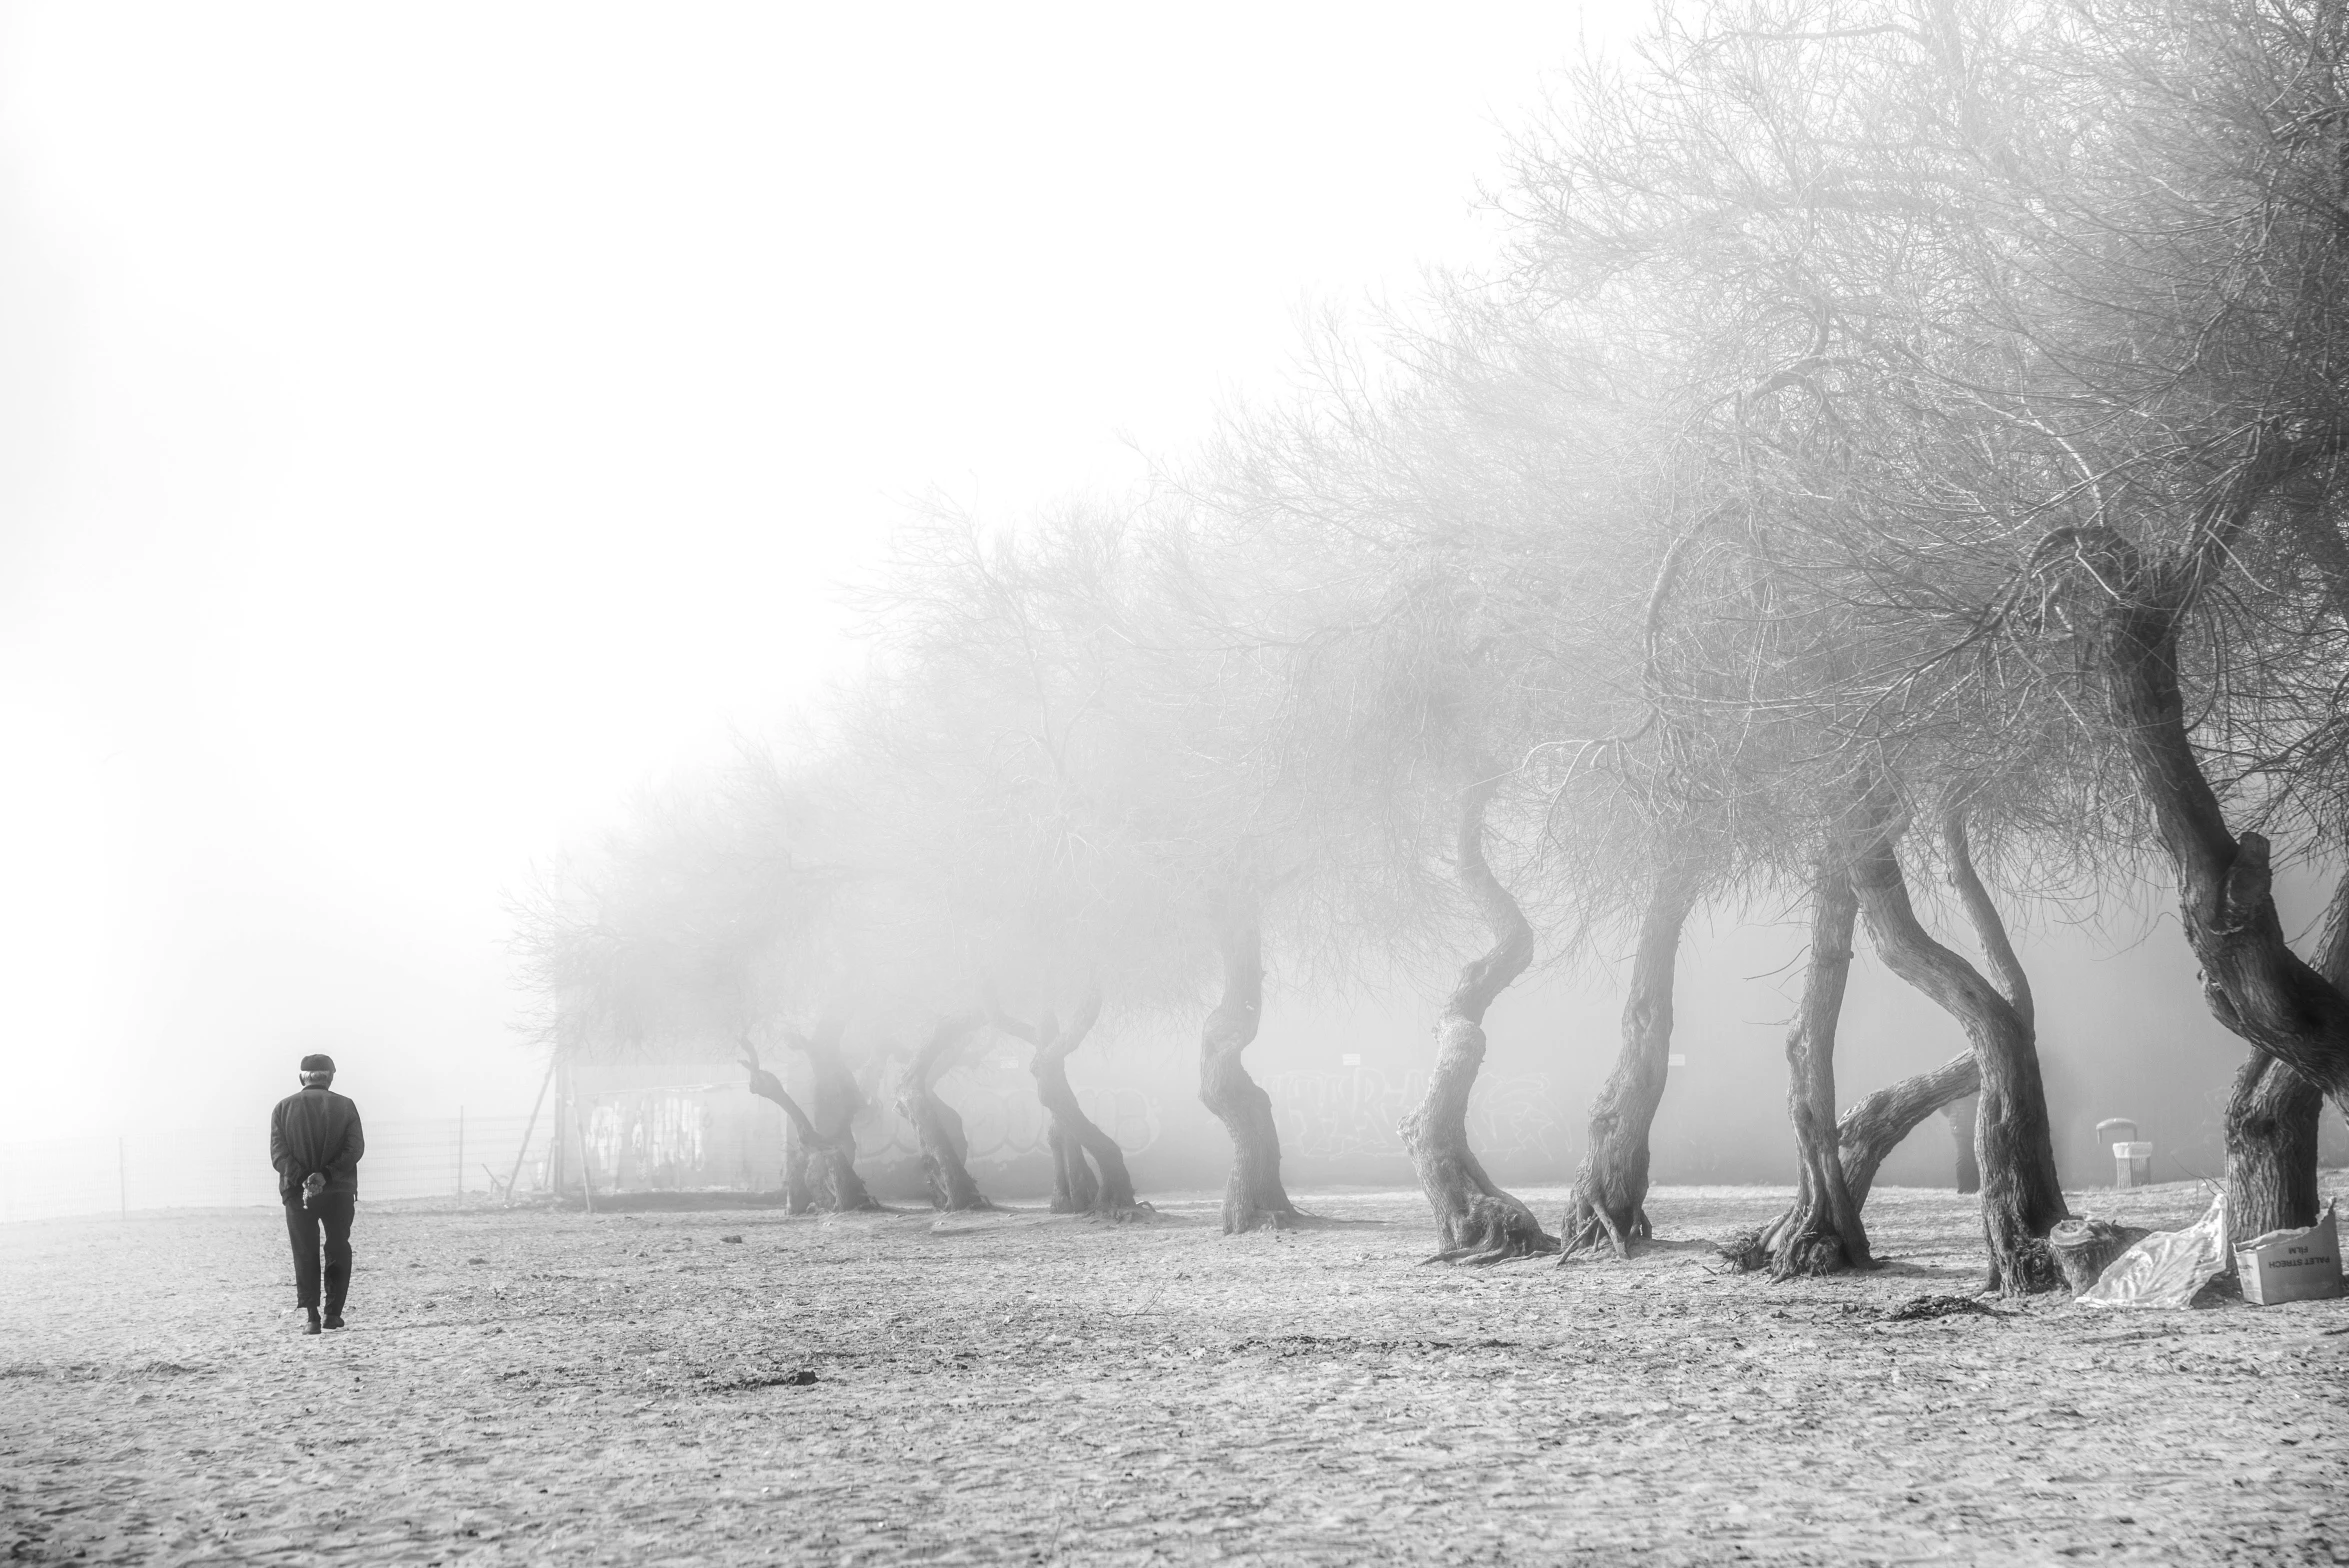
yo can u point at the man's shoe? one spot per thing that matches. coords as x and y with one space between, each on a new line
334 1320
310 1324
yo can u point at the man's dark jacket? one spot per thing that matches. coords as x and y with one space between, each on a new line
316 1130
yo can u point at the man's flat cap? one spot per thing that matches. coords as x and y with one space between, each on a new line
318 1064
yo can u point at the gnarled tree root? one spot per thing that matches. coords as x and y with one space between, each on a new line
1747 1251
1789 1248
2033 1270
1808 1257
1476 1222
1238 1222
1295 1219
1588 1224
1803 1257
1495 1232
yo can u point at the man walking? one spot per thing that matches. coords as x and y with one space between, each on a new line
315 1143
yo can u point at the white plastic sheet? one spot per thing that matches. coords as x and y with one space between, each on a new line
2167 1268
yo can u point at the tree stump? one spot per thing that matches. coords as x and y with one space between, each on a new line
2083 1248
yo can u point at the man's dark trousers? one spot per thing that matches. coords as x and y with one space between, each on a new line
330 1213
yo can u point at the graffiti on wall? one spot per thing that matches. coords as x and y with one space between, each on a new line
652 1138
658 1126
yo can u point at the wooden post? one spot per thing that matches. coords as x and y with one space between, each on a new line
532 1126
558 1146
586 1166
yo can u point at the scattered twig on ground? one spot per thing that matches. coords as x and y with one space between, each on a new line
1920 1309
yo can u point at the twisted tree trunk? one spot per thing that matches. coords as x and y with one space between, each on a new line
2006 971
2252 981
1823 1231
2273 1113
824 1175
1867 1134
1476 1221
1104 1186
1878 1124
2021 1196
1254 1195
1611 1184
1998 949
2272 1117
938 1126
2291 1013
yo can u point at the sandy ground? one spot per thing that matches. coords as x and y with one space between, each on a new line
533 1387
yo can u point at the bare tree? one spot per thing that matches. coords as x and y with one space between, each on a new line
1888 406
1812 1237
1438 547
697 921
1476 1221
1089 1172
1074 759
1254 1195
1611 1184
2273 1113
945 1150
1823 1231
819 1167
2022 1198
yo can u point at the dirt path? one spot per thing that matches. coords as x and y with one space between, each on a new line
1021 1388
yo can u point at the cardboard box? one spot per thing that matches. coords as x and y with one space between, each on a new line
2292 1265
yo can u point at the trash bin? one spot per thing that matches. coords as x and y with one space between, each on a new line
2132 1157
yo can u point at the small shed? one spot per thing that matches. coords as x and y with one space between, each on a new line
662 1127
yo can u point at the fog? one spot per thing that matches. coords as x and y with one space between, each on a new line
1565 780
426 427
423 428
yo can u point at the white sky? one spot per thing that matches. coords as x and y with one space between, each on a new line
420 424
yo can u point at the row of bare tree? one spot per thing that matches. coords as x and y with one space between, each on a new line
1898 441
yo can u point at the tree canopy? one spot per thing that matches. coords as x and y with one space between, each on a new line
1899 433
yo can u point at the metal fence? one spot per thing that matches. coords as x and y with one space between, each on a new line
215 1167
